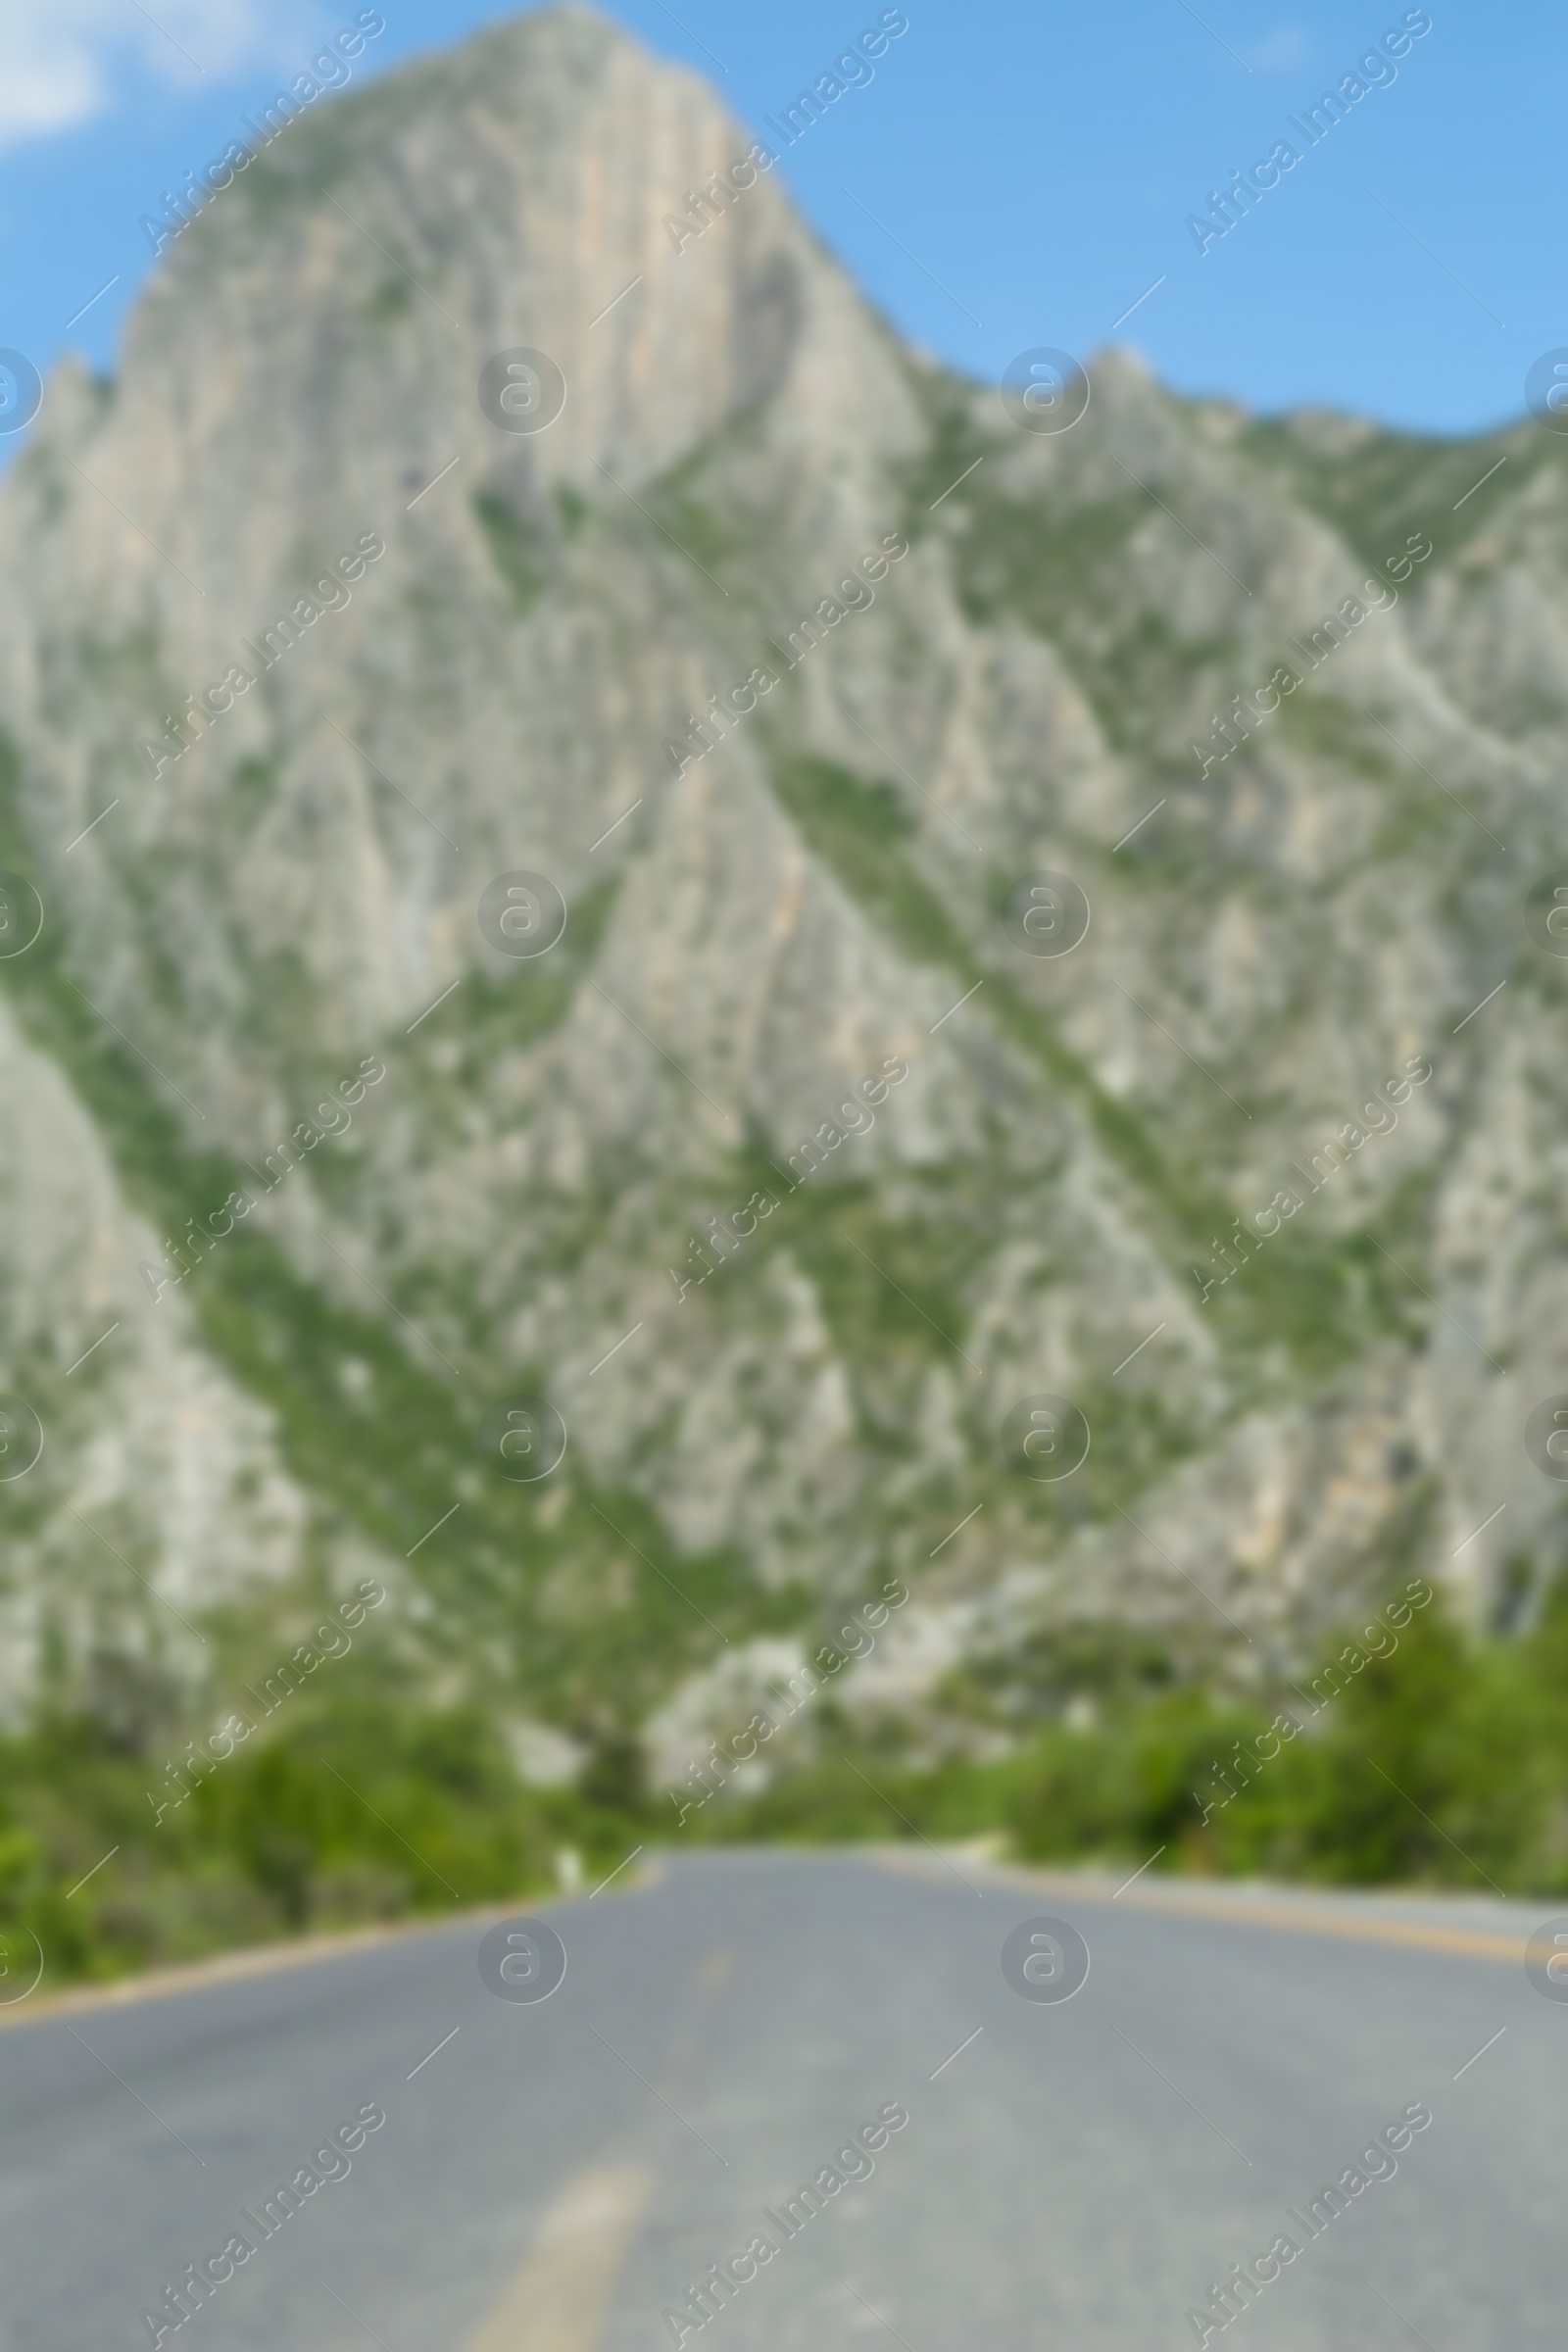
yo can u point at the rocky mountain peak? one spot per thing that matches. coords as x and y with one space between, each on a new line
784 656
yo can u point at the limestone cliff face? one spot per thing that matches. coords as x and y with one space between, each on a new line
497 639
158 1496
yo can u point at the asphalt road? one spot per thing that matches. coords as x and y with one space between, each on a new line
554 2176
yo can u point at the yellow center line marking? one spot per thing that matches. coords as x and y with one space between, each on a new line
558 2298
1422 1935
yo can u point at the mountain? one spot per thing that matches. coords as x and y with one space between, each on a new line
792 1169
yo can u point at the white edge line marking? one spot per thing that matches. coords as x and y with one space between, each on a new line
604 1359
435 2053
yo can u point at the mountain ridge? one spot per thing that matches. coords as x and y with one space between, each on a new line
748 933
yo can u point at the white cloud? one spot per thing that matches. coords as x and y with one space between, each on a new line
65 59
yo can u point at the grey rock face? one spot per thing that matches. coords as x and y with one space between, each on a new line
1006 679
159 1493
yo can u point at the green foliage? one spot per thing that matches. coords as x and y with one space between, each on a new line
367 1807
390 300
521 556
1046 567
1378 489
1442 1763
268 1842
573 509
250 791
859 829
381 1457
1445 1762
1310 1291
492 1013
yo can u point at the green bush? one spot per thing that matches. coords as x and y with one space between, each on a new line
368 1810
1445 1763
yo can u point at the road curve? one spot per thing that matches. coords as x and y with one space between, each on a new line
555 2176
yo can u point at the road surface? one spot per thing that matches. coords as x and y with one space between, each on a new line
558 2173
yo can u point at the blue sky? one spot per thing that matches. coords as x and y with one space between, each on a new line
1014 175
